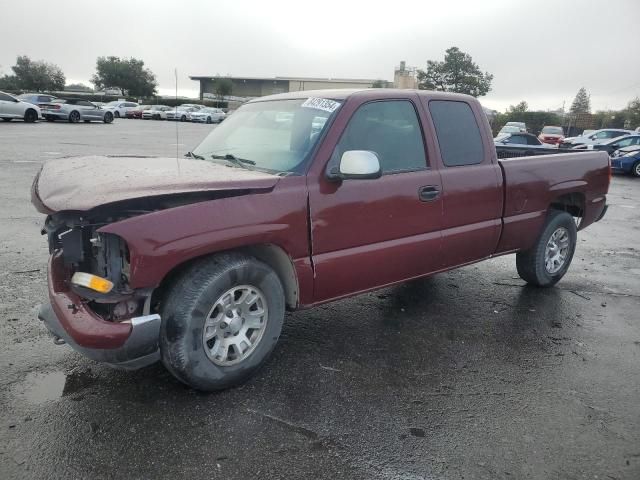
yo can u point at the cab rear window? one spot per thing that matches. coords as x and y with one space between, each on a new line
458 133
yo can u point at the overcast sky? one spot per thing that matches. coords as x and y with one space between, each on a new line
539 51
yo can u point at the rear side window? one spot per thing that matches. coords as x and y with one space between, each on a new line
458 133
517 139
388 128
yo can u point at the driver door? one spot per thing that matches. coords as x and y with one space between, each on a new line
367 233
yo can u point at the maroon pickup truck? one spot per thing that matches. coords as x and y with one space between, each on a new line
295 200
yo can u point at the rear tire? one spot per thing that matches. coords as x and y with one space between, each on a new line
7 119
211 337
635 170
116 114
548 260
108 117
30 116
209 120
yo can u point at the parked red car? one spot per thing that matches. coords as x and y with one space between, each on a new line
137 112
552 135
295 200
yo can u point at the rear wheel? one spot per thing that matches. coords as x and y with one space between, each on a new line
183 118
635 171
108 117
116 114
74 117
30 116
209 120
221 320
549 259
7 119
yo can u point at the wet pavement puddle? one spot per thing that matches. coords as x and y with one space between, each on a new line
39 388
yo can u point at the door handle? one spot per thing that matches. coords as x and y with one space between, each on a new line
428 193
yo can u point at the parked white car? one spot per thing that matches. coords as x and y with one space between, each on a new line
12 108
208 115
120 109
595 137
156 112
181 113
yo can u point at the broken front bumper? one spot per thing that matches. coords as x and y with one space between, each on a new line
131 344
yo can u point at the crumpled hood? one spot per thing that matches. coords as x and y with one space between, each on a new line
83 183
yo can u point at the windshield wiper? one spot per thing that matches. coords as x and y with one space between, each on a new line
194 155
241 162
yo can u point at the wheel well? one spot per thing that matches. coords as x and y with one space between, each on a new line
272 255
572 203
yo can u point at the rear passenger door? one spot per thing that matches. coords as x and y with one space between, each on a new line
374 232
471 182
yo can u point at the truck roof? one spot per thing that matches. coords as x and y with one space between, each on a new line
373 93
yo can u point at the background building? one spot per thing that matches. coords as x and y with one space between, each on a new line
249 87
405 77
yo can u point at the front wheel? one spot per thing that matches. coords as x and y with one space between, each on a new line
30 116
221 320
74 117
7 119
548 260
635 170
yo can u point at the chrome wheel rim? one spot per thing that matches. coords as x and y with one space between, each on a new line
557 250
235 325
637 168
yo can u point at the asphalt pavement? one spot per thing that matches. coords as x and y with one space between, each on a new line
468 374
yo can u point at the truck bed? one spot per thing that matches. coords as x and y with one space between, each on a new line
531 184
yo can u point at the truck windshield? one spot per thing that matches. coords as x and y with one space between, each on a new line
275 136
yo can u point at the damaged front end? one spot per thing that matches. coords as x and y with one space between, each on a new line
93 308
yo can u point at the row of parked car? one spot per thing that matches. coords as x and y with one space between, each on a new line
31 107
623 146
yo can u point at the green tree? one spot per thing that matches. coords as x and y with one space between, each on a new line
78 87
379 84
519 108
38 75
126 74
9 82
223 87
457 73
582 102
632 113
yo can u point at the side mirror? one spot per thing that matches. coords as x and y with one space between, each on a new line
356 164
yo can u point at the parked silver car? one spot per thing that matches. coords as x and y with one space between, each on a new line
75 110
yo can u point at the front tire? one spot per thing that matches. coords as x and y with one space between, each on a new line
548 260
635 170
30 116
74 117
221 320
7 119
